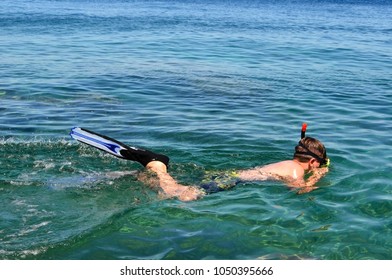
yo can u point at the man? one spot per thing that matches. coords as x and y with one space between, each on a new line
310 158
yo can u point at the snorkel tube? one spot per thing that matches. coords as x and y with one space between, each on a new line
303 132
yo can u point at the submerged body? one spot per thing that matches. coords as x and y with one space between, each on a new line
309 161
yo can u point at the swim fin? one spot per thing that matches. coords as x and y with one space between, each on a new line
115 147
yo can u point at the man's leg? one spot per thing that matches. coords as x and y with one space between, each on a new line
170 186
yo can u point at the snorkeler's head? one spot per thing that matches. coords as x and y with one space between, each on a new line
309 148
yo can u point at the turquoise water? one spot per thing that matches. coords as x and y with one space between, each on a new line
215 85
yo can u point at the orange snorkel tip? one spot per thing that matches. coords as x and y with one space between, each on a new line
303 130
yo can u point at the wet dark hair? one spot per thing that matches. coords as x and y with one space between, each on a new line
309 148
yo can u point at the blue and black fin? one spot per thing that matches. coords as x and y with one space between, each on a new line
115 147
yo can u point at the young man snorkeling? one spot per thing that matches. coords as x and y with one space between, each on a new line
309 161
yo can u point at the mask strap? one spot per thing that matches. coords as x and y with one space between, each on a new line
310 153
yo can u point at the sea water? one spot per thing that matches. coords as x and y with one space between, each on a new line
216 85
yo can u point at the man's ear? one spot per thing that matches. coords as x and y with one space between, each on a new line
312 161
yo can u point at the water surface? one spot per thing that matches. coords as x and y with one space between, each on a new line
215 85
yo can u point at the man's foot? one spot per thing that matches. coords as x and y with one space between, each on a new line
157 166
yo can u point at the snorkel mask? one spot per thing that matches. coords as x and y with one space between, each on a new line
324 161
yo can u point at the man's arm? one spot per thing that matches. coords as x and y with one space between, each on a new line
309 184
255 174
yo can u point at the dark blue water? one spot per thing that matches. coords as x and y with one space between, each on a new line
216 85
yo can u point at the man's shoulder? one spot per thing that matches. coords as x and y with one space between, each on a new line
286 168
